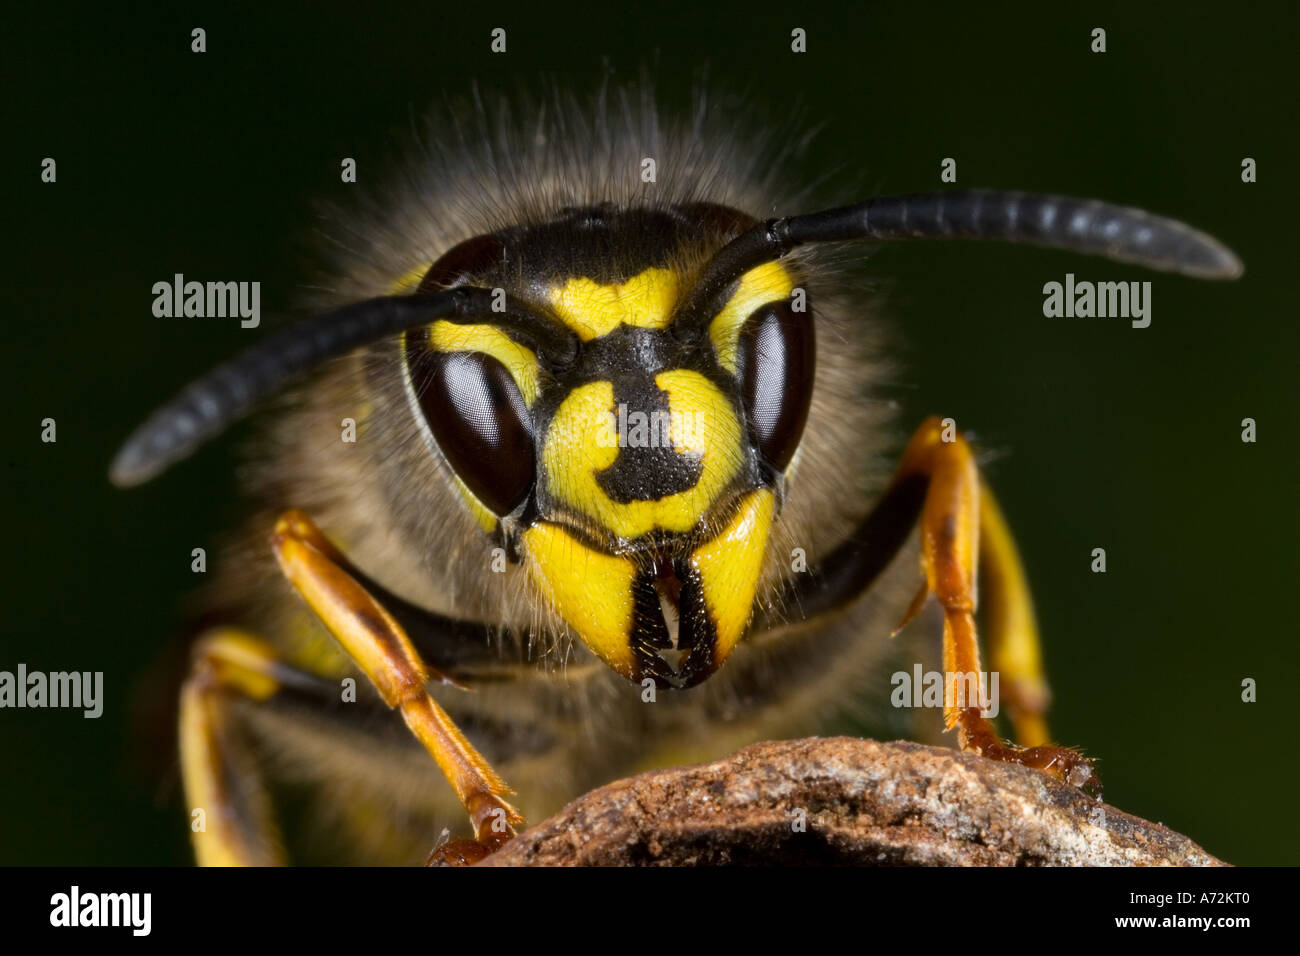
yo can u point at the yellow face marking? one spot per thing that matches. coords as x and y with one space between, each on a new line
581 443
769 282
482 514
729 566
590 590
520 362
592 310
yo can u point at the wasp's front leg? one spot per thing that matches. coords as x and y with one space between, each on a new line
382 650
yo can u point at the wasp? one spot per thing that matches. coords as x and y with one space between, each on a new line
594 415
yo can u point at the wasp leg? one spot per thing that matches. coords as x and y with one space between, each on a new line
380 647
938 484
950 545
220 776
1008 610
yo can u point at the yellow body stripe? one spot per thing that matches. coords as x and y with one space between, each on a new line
591 309
769 282
580 443
590 590
729 566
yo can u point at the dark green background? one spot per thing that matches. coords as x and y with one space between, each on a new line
1106 436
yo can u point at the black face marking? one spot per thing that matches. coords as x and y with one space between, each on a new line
694 655
697 635
609 244
649 632
628 351
647 468
604 243
629 358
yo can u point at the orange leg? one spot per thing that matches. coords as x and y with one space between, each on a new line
380 647
1010 626
230 816
952 518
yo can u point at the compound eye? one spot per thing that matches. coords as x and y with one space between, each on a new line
775 360
481 424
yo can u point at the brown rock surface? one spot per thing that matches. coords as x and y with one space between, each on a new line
865 803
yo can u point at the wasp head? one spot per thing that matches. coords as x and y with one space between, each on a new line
637 475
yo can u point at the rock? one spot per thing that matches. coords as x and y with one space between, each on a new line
863 803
